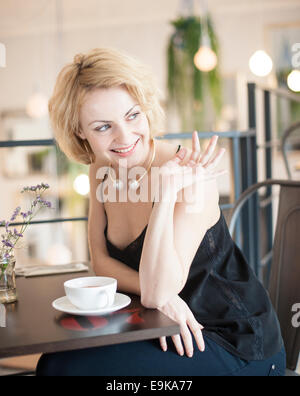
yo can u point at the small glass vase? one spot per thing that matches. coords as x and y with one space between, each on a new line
8 289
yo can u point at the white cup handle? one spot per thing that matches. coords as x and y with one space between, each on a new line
107 298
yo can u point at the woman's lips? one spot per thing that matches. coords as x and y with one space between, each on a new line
128 152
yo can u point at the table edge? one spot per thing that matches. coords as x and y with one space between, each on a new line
90 342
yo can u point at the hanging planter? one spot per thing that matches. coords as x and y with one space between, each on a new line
190 90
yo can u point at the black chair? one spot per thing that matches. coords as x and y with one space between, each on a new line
284 286
284 140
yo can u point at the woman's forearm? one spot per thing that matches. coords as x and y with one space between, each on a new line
161 272
127 278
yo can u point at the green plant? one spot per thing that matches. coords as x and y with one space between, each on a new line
187 84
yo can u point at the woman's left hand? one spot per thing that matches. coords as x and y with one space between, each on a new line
177 310
204 164
207 160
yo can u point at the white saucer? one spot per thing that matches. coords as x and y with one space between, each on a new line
63 305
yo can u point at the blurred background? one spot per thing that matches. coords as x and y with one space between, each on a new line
203 53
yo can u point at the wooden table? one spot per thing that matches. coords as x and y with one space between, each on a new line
33 326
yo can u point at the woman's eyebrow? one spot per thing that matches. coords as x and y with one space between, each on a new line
112 121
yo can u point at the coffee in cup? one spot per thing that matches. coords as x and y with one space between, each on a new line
91 293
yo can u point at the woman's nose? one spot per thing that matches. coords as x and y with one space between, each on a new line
121 133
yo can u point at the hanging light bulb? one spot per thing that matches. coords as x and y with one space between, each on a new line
81 184
37 105
293 81
205 58
260 63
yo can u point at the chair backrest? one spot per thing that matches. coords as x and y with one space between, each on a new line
284 288
284 140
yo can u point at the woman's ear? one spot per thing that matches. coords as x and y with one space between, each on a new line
80 134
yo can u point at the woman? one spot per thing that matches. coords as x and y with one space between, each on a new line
173 249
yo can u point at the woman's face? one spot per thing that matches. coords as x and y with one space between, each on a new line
111 120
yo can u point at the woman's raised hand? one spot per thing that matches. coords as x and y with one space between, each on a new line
206 159
177 310
198 167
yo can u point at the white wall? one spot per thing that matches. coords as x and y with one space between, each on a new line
141 27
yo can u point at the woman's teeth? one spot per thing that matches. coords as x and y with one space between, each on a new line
125 150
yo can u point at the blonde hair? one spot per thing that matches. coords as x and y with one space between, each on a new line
99 68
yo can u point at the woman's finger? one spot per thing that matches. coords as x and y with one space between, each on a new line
209 151
178 344
187 340
163 343
214 162
195 156
196 329
199 339
180 155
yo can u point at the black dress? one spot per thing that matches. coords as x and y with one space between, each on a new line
223 293
225 297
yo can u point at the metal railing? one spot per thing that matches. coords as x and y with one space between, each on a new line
238 139
34 143
253 234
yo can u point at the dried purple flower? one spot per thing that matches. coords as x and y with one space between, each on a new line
42 186
17 233
9 238
7 243
16 213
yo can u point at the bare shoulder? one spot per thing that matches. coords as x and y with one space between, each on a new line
97 172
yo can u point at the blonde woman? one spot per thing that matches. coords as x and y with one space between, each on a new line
174 252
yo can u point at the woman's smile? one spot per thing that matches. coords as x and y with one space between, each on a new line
126 152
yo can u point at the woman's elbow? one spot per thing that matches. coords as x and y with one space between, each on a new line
156 299
157 294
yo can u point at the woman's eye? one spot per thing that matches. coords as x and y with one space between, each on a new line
103 128
133 116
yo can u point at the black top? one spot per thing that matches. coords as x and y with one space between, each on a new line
223 293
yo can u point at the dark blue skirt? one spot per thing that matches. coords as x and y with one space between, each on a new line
145 358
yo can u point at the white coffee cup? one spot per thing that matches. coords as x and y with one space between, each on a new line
91 293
